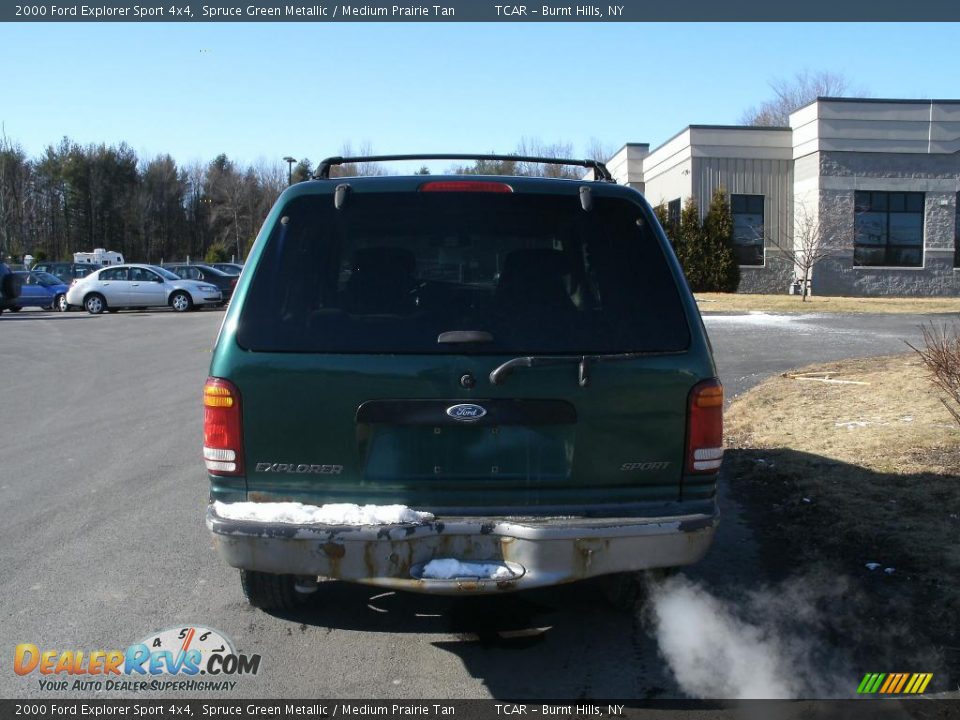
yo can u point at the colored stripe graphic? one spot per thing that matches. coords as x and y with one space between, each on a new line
891 680
894 683
903 681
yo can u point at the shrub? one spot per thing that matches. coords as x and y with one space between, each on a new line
217 253
941 356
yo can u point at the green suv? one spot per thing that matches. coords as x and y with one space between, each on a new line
452 384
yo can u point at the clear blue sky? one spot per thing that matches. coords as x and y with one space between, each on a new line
268 90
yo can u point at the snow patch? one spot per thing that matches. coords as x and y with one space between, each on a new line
447 569
755 318
333 514
853 424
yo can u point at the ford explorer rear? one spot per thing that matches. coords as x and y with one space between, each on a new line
460 384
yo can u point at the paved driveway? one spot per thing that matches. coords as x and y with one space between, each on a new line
101 506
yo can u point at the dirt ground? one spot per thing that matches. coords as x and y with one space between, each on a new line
742 302
851 463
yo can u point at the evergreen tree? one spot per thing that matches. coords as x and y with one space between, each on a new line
688 244
721 272
303 170
663 217
217 253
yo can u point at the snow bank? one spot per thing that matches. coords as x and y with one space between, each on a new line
333 514
447 569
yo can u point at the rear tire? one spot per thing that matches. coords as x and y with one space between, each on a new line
94 304
15 308
271 592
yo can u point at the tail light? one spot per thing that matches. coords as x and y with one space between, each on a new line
704 451
222 428
233 282
465 186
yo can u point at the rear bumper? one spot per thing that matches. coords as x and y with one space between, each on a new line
539 551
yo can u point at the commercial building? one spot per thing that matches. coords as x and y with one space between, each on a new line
871 185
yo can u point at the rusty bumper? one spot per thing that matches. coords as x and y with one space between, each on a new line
538 551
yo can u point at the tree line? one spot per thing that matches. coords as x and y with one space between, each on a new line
77 197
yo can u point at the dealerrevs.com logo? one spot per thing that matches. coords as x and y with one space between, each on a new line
193 658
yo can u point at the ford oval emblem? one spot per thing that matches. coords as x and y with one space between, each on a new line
466 412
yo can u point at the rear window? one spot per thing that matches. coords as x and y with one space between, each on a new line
391 272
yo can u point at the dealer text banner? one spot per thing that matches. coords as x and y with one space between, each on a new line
483 11
464 709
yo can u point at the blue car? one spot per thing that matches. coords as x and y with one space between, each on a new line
41 289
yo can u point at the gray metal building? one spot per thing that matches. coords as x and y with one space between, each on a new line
871 184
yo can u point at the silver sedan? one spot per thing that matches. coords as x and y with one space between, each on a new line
139 286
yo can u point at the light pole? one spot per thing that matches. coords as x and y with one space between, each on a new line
290 163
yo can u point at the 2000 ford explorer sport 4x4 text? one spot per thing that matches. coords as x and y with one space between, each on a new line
460 383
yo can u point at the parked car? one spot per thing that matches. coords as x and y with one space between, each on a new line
10 284
41 289
228 268
191 271
139 286
66 271
460 384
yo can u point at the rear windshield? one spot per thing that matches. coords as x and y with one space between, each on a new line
527 274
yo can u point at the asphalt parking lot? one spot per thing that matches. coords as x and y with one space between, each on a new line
102 495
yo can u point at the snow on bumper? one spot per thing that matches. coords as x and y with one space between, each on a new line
538 551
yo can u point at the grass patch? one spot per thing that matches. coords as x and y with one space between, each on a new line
743 302
857 462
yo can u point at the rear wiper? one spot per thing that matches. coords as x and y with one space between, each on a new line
500 373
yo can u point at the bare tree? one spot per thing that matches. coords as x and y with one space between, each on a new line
815 237
791 94
535 147
357 169
272 179
599 151
941 356
16 199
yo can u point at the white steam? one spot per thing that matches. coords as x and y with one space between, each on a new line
764 646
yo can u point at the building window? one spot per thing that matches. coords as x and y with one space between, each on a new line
747 213
889 229
673 213
956 232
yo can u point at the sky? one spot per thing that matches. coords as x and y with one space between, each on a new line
265 91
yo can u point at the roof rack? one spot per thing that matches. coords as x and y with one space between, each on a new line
600 170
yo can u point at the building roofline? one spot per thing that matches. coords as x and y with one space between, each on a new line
737 127
887 101
901 101
717 127
629 145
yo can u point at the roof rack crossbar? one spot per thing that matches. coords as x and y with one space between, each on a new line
600 170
